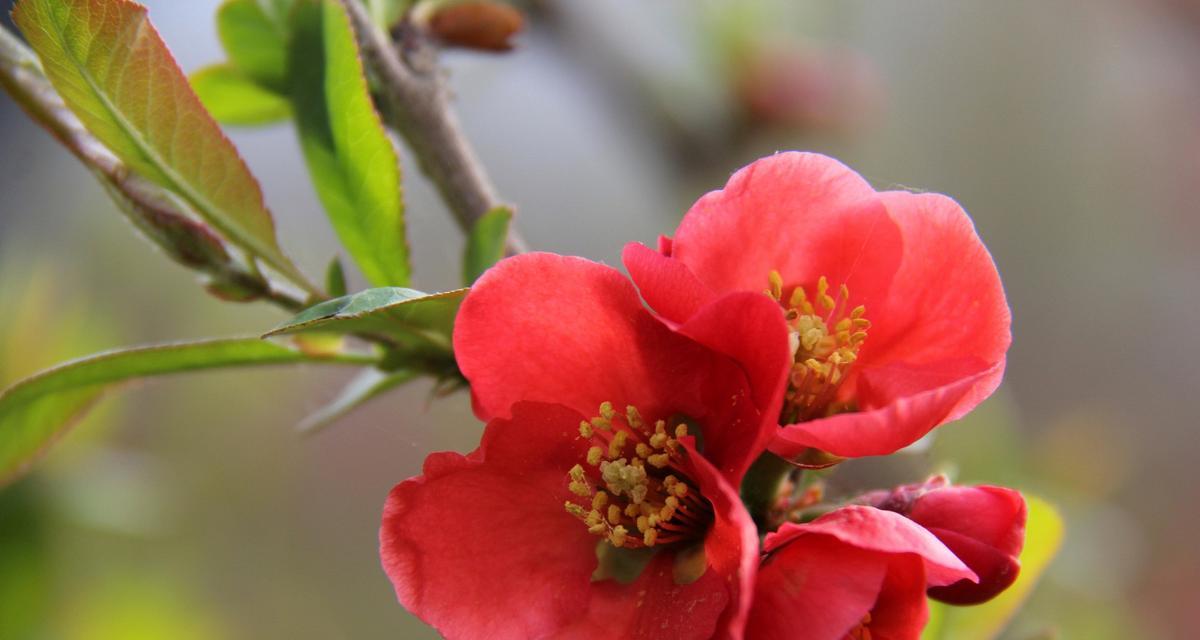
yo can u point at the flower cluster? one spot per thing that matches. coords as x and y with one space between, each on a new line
797 318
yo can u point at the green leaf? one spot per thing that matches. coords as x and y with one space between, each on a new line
335 278
409 317
352 161
37 410
485 244
1043 535
367 385
112 69
255 41
233 98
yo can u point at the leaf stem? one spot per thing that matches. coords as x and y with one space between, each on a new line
417 105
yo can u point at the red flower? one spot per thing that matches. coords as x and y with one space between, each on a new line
503 543
857 572
984 526
898 319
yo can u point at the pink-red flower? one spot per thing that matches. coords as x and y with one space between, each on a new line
897 316
503 542
984 526
857 572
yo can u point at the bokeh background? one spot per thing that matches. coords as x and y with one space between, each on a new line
187 507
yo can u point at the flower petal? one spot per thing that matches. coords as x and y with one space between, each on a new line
667 285
985 527
815 587
899 420
652 607
873 529
731 547
471 543
547 328
946 301
901 611
802 214
748 328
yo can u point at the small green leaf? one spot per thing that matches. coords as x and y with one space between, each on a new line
409 317
255 41
233 98
1043 535
352 161
367 385
335 278
485 244
111 68
37 410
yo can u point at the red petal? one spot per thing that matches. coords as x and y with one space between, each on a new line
882 531
984 527
471 543
804 215
668 286
815 587
652 607
901 612
996 570
994 516
748 328
899 421
731 546
946 302
541 327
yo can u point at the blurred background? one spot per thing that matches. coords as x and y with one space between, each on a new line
188 508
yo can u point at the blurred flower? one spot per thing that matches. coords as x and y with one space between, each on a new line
806 87
984 526
857 572
545 340
832 252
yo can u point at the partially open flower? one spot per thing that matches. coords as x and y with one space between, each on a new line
857 572
602 500
983 525
897 318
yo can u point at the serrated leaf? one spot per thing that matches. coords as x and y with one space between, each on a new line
255 41
1044 532
113 70
233 98
367 385
407 316
354 166
485 243
151 209
37 410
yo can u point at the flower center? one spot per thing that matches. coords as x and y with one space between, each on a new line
825 336
634 489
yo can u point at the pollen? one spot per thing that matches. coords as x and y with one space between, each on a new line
825 336
636 480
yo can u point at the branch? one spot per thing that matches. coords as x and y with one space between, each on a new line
417 106
151 210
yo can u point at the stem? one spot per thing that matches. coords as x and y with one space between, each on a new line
417 105
761 485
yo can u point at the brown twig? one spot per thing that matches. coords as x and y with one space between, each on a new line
418 107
